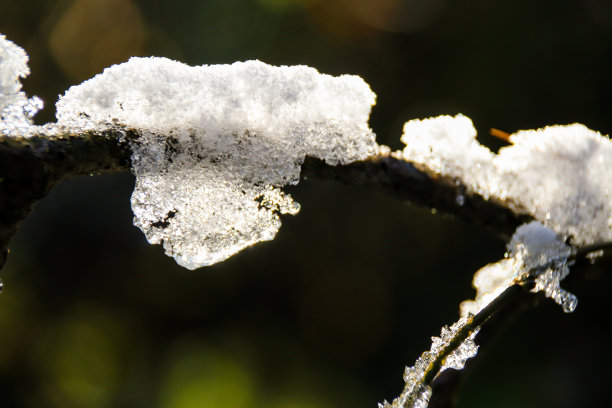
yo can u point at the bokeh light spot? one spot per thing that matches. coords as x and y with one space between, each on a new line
201 377
93 34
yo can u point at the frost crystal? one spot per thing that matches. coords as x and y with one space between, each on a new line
534 246
559 174
416 394
533 249
217 142
16 110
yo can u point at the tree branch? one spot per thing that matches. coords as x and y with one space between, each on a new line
403 180
30 167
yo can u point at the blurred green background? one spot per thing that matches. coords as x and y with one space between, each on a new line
351 289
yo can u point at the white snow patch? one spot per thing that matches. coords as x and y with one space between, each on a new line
447 145
16 110
536 247
561 175
217 142
489 282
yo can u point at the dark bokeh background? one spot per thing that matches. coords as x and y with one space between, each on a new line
350 291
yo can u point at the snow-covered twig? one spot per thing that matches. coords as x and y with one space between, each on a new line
456 344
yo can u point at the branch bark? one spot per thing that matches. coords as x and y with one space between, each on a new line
31 166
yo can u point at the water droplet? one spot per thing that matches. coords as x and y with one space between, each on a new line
460 199
569 303
434 211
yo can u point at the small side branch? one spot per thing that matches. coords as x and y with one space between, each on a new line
500 305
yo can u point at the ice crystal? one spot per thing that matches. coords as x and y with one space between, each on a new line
216 143
457 358
536 248
416 393
16 110
535 251
561 175
489 282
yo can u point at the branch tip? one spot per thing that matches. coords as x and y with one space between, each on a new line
500 134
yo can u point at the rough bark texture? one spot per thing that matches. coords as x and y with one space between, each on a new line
30 167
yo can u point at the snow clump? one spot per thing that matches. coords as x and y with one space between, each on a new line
16 110
217 142
534 252
561 175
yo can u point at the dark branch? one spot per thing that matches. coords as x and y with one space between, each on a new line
30 167
401 179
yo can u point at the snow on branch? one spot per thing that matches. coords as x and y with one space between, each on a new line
537 260
560 175
218 142
213 146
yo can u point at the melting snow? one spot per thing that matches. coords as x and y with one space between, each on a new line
536 247
217 142
533 249
489 282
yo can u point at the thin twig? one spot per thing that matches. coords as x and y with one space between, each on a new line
505 298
